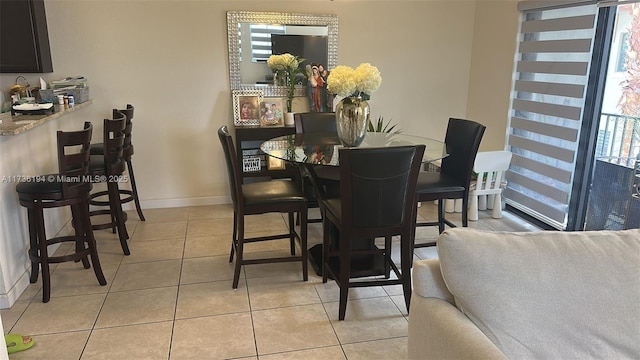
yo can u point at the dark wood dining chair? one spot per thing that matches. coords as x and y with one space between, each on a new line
315 122
276 196
378 186
462 141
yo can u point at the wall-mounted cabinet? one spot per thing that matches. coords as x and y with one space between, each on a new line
24 39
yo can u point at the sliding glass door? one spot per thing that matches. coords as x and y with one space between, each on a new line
613 201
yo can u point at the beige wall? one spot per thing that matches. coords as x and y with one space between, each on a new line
492 61
169 58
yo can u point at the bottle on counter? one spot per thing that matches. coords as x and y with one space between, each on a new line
72 101
66 102
60 105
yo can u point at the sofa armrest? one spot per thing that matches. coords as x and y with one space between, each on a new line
428 280
438 330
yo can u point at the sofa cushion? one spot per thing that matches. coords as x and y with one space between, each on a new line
548 295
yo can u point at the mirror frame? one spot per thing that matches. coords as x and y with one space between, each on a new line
234 18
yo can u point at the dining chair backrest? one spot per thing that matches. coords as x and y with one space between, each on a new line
233 167
315 122
127 150
379 184
491 167
462 141
113 140
74 160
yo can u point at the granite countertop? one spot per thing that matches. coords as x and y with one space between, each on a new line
21 123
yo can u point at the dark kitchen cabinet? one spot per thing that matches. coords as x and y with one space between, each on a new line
24 40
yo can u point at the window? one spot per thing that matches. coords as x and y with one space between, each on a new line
621 64
261 40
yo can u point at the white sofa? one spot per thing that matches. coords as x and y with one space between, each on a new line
536 295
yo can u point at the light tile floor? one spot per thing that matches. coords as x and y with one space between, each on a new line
172 298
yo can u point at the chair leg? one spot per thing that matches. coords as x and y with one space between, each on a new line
303 244
414 227
406 260
326 241
34 251
473 208
387 255
134 190
44 257
465 210
497 206
345 272
458 205
440 216
344 294
491 198
292 237
449 205
80 230
116 210
85 219
235 233
239 251
482 202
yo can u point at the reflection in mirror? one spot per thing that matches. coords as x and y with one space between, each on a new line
254 36
259 41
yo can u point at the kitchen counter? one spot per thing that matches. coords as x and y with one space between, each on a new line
22 123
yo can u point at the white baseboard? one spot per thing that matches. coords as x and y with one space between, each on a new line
180 202
7 300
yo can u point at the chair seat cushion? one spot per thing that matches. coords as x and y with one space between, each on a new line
96 149
435 183
45 187
271 192
96 165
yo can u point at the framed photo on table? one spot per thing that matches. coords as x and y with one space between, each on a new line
271 114
275 164
246 107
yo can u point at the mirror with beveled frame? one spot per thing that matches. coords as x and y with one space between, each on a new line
252 36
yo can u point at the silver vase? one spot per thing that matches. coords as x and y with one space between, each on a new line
352 116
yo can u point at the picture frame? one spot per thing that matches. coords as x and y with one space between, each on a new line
275 163
246 107
271 113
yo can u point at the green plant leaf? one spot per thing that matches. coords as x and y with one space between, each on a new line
382 127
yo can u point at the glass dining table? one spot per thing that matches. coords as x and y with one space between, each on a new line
322 148
314 151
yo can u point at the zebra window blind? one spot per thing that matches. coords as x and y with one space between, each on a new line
548 96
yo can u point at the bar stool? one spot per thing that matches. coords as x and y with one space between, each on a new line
98 149
109 168
70 187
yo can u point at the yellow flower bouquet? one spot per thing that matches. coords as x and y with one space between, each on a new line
359 82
